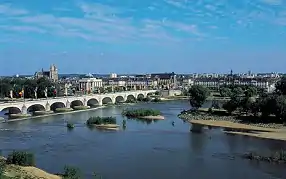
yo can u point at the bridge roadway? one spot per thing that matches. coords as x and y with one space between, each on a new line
85 100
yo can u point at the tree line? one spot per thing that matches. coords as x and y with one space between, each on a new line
16 85
247 100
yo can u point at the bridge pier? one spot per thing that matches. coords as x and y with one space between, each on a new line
24 109
48 106
100 101
68 104
84 102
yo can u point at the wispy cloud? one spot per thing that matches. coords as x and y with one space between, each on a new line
120 24
273 2
7 9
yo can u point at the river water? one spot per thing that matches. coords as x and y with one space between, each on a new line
142 151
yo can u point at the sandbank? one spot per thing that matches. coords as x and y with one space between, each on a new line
152 117
31 172
243 129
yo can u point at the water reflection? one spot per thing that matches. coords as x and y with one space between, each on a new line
164 150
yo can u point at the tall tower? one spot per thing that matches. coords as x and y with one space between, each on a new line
54 73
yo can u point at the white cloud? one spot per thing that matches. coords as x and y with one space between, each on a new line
7 9
272 2
22 29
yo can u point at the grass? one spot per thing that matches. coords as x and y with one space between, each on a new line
81 107
19 116
60 110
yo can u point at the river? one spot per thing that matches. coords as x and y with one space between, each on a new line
155 151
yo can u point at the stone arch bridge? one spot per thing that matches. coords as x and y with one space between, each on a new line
70 101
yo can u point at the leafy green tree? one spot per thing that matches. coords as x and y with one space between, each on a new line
198 96
246 104
225 92
237 91
5 88
280 112
231 105
280 87
250 91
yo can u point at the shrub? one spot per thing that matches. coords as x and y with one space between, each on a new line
70 125
140 112
21 158
130 101
80 107
2 168
71 173
97 120
59 110
157 100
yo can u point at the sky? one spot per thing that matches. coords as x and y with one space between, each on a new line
142 36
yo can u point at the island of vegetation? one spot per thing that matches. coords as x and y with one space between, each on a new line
103 122
251 106
143 114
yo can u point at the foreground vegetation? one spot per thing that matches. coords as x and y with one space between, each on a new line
21 165
140 112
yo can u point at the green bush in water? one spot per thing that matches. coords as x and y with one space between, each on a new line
140 112
97 120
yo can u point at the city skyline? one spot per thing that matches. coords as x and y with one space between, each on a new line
143 36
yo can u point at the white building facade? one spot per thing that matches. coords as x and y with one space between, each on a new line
90 84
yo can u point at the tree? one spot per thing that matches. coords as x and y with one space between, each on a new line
237 91
280 87
232 104
198 95
250 91
225 92
280 111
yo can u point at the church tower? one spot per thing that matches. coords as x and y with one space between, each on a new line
54 73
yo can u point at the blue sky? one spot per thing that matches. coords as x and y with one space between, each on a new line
132 36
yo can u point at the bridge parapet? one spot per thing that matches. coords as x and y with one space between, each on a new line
46 103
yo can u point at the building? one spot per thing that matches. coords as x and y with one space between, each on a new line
113 75
52 74
165 80
214 83
90 84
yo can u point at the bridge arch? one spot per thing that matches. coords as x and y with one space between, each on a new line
93 102
150 94
56 105
11 110
106 100
140 97
76 103
119 99
131 97
36 107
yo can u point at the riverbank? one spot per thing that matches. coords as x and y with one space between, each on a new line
244 129
210 117
11 171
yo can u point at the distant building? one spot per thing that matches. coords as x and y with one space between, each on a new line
52 74
266 83
90 84
113 75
